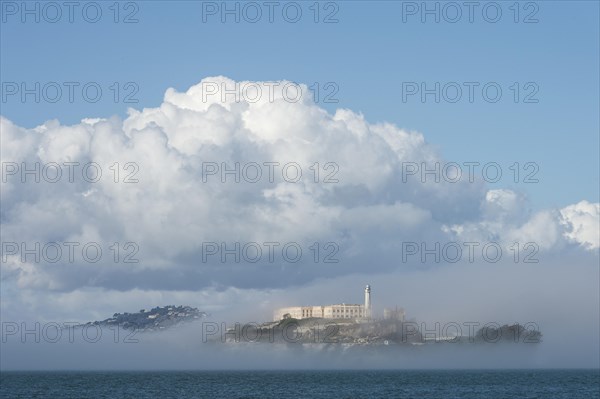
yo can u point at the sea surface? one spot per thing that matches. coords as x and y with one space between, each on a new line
448 384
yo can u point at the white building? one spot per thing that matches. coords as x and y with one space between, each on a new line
341 311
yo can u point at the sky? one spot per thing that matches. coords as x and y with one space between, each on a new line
165 223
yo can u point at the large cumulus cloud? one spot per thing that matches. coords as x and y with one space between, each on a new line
174 207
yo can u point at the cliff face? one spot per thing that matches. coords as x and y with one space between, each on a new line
334 331
378 332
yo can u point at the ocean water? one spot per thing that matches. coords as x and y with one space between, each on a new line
496 384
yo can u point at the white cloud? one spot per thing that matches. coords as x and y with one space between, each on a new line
172 210
583 221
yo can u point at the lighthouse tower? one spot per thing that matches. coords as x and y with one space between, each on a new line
368 301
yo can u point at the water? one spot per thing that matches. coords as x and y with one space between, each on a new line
522 384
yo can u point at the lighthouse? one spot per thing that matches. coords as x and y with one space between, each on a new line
368 301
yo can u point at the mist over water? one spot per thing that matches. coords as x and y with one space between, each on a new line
183 349
433 297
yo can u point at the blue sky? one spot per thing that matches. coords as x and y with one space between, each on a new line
369 53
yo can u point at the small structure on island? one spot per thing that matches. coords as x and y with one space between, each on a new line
394 314
341 311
